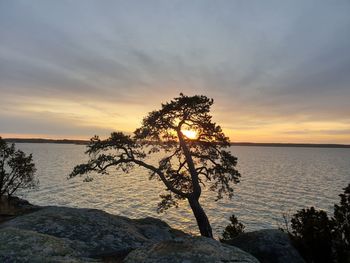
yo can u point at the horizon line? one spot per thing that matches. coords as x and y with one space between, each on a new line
242 143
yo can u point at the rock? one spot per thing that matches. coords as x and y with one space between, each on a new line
189 250
62 234
149 227
14 206
28 246
96 232
268 245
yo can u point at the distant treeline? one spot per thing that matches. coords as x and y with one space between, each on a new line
310 145
63 141
84 142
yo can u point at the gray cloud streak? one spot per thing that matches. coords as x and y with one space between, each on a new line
269 60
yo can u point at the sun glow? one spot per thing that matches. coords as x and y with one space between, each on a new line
190 134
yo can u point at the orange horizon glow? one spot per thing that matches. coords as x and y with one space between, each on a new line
263 138
81 122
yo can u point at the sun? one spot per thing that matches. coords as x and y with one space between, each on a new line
190 134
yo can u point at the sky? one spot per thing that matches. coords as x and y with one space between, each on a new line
278 71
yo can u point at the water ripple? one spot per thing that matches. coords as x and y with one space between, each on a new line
274 181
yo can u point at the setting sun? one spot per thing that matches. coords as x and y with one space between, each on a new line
190 134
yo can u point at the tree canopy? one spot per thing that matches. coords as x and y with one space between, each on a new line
192 149
17 170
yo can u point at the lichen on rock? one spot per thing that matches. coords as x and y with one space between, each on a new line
17 245
101 232
268 245
62 234
189 250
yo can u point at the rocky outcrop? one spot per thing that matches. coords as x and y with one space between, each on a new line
94 232
28 246
14 206
268 246
62 234
191 250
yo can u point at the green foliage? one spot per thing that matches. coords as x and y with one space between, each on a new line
233 229
16 170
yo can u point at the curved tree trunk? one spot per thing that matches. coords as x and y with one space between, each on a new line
201 217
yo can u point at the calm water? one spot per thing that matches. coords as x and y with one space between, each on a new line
274 181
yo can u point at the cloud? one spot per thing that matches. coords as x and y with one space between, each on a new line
323 132
265 64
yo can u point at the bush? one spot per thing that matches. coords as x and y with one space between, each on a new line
232 230
312 235
341 222
321 239
16 170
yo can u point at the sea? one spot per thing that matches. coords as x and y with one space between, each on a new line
275 183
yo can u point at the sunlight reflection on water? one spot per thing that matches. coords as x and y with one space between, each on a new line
275 180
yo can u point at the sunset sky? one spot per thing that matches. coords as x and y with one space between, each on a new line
279 71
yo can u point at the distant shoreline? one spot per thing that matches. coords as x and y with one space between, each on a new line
39 140
307 145
84 142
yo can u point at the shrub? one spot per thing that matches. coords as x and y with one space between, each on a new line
319 238
312 235
17 170
233 229
341 222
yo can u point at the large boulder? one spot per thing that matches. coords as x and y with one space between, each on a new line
28 246
189 250
95 232
268 245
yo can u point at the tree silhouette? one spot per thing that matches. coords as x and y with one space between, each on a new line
312 235
187 162
341 222
232 230
16 170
